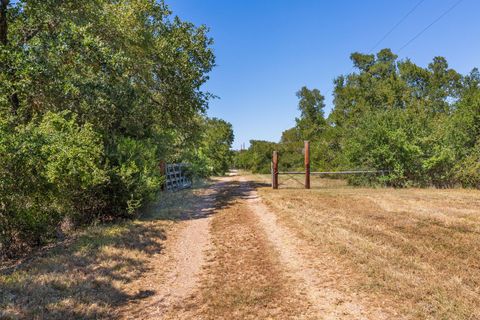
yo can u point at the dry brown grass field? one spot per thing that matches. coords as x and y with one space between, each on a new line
92 275
236 249
417 250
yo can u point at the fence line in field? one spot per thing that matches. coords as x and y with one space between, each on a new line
307 173
334 172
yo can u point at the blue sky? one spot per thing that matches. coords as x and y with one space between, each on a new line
266 50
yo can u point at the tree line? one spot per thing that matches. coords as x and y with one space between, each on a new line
420 124
93 94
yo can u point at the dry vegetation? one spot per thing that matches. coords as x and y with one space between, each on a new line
379 253
243 279
89 276
415 249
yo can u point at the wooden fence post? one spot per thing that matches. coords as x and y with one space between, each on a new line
307 164
275 170
163 170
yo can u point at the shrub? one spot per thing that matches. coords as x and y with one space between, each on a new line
136 173
45 166
468 170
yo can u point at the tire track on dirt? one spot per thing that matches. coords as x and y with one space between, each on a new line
325 301
242 241
175 275
244 277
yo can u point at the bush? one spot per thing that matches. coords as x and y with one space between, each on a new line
45 166
211 154
468 170
136 173
383 143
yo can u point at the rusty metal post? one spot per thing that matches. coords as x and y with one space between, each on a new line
275 170
307 164
163 170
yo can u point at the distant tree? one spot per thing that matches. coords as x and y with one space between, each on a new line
311 105
257 158
421 124
290 148
215 146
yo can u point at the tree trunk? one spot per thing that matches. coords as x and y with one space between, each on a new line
3 22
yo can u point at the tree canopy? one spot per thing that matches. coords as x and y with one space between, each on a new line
419 124
93 94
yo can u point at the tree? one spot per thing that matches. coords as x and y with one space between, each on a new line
420 124
257 158
127 71
290 148
213 156
311 105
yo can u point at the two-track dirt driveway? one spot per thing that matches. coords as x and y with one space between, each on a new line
232 259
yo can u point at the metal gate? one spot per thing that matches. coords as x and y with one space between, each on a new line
307 173
176 177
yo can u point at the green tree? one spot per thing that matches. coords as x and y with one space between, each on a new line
258 157
213 156
311 104
290 148
392 114
126 70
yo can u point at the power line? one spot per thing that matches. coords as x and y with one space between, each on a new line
431 24
418 34
393 28
396 25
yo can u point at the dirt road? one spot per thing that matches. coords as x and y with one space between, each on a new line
232 259
235 249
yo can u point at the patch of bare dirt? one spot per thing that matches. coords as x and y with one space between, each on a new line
175 274
244 278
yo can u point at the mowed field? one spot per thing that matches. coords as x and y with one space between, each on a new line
416 251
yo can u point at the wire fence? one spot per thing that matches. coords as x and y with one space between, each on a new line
367 175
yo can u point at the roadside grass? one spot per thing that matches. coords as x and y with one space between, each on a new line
87 276
417 250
